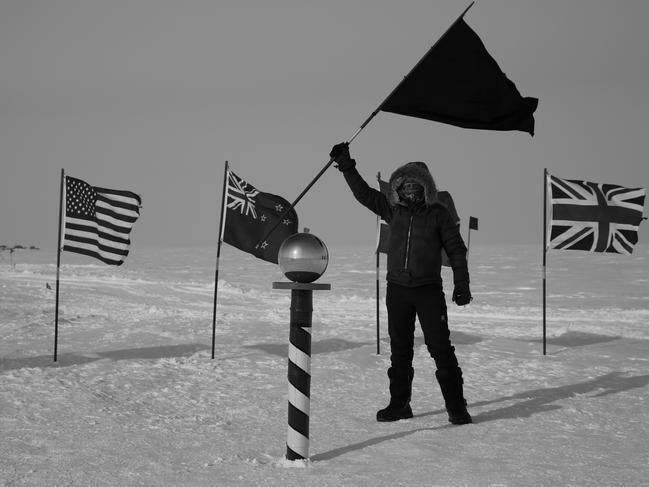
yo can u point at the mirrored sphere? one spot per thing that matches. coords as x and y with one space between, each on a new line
303 257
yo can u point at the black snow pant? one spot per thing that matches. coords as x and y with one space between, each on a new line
429 305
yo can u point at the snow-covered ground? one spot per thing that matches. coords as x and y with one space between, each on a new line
135 398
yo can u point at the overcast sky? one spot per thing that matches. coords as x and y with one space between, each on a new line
155 95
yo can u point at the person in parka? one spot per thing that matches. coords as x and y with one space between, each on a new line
420 227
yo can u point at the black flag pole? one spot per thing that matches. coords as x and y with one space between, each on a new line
378 261
58 266
360 129
378 326
545 249
218 256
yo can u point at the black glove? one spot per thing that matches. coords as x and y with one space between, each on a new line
340 154
462 293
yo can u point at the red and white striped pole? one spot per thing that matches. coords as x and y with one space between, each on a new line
299 366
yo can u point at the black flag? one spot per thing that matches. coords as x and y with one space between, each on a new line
459 83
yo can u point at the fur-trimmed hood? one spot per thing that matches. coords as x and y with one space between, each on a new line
414 171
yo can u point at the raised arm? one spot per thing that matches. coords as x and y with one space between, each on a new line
367 196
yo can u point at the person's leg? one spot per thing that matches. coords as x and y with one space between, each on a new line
450 382
401 327
432 314
431 310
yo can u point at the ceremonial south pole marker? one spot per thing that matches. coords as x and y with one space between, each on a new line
303 258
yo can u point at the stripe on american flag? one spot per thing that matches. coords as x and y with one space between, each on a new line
98 221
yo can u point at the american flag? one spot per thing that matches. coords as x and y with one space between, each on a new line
473 223
594 217
98 221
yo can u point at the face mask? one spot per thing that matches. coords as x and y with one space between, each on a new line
411 192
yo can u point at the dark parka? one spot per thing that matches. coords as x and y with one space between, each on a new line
417 232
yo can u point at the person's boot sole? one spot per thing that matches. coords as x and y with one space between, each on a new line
460 421
388 419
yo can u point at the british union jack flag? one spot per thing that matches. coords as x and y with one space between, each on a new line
594 217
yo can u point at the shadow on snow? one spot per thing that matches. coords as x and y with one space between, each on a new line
330 345
68 359
528 403
541 400
578 339
322 346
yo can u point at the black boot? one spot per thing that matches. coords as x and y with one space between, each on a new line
450 381
400 391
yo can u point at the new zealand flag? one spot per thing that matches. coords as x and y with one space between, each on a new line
250 214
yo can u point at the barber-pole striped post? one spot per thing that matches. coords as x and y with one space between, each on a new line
299 366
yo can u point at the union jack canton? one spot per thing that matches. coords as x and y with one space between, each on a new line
594 217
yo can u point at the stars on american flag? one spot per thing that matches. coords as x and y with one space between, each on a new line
80 199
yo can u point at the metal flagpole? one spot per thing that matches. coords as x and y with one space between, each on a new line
378 327
545 250
378 258
363 125
218 256
58 266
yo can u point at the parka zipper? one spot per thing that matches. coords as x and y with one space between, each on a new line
405 266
